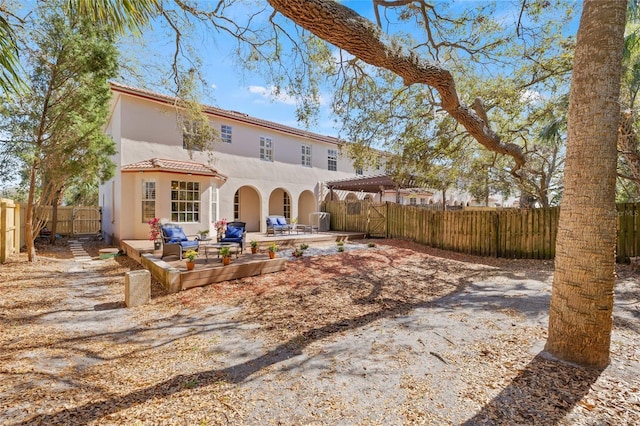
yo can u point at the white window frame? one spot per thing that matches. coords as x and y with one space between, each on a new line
286 205
185 201
236 205
148 203
214 204
306 155
332 160
189 129
226 133
266 148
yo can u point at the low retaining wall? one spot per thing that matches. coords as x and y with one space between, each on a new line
174 279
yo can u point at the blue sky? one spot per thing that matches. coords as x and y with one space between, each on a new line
233 89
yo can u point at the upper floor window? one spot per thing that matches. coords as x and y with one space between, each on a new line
332 160
266 149
191 135
225 133
306 155
413 201
359 171
423 201
185 201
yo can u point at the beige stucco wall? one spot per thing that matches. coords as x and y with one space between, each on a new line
145 129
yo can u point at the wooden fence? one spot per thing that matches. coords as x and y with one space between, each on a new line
71 220
9 229
510 233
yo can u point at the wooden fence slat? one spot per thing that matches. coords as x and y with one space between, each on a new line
509 233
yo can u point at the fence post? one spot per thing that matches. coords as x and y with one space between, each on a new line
9 228
496 235
17 220
3 231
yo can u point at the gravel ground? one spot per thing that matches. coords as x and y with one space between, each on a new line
392 334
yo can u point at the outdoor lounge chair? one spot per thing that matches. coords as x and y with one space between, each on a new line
235 233
175 242
278 225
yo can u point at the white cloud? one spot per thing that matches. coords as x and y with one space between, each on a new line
271 94
532 96
213 86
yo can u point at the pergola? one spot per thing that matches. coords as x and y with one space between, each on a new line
371 184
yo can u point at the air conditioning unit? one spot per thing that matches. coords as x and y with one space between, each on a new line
320 221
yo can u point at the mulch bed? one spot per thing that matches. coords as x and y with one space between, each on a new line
151 365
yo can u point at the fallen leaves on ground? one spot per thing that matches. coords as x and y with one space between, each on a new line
154 364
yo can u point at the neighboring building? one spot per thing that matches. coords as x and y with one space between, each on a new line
258 168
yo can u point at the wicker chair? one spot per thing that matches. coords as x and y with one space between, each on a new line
236 233
175 241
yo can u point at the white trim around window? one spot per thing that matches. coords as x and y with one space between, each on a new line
148 200
332 160
226 133
306 155
185 201
266 148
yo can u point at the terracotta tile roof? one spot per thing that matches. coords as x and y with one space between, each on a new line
231 115
175 166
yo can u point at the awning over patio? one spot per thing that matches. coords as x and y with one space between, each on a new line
173 166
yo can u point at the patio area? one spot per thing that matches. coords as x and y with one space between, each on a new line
172 272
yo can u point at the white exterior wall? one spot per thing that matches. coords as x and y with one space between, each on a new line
145 129
107 197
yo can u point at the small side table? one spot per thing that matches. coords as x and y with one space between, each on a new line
210 245
304 229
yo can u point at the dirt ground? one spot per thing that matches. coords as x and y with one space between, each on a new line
387 335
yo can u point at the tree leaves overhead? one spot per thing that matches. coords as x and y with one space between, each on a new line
55 128
489 68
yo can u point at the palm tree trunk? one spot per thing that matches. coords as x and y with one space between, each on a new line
580 316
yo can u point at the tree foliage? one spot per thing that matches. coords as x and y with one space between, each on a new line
55 129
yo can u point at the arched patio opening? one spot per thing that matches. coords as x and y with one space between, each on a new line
306 206
280 203
246 207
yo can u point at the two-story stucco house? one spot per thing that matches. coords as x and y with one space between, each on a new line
258 168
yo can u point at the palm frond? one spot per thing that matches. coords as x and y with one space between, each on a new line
10 80
120 15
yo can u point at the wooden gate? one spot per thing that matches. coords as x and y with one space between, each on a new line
377 220
86 220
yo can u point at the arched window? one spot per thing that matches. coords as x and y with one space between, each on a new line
286 206
236 205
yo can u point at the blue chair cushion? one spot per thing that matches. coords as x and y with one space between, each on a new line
175 235
233 232
270 221
189 245
282 221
